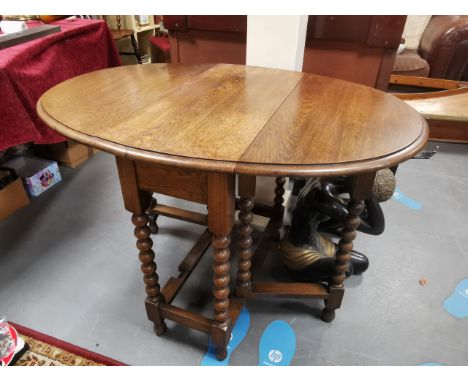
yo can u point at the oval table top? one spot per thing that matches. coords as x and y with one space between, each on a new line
235 118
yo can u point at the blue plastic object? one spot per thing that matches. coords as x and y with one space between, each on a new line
457 303
405 200
238 334
277 345
431 364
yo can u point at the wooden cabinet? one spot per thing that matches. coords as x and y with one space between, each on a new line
142 35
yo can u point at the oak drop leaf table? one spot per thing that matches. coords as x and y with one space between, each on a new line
194 131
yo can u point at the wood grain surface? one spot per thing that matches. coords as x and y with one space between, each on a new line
453 107
234 118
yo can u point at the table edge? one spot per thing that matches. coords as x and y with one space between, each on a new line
261 169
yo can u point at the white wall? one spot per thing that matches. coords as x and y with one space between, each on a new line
414 29
276 41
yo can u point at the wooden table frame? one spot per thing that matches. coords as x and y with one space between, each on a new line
192 131
138 181
247 285
217 190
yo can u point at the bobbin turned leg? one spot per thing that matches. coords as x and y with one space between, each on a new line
137 202
244 242
220 221
220 329
278 206
148 267
153 217
345 246
360 189
279 192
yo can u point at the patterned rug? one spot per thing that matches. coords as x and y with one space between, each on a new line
45 350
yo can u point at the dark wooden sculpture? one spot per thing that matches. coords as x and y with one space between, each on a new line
323 206
307 253
372 217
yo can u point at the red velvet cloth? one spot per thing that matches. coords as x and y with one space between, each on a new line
161 43
29 69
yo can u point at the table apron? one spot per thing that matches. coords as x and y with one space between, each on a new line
177 182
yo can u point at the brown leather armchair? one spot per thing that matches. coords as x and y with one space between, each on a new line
442 51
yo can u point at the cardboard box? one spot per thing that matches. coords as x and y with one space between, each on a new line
12 196
38 174
69 153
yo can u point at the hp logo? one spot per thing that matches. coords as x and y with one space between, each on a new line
275 356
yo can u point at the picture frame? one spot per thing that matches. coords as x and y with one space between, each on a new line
143 20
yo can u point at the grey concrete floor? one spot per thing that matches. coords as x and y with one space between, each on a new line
69 268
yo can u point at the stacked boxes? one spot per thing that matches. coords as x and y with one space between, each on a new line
68 153
37 174
12 193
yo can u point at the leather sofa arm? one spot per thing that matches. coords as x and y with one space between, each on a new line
444 45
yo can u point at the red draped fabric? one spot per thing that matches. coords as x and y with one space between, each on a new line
29 69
